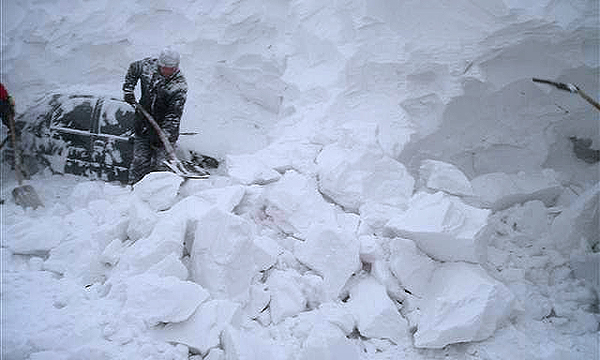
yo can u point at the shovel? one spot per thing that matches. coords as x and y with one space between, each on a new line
24 195
173 163
570 88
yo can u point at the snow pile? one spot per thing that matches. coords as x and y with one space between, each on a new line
394 185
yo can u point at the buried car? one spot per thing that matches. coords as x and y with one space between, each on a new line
84 135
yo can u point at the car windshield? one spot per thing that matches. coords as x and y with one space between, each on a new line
116 118
74 113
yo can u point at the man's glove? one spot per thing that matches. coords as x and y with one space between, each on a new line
129 98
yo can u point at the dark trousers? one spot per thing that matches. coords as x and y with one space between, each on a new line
147 157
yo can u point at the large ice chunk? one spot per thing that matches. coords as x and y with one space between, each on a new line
500 190
352 177
439 175
331 253
443 227
463 304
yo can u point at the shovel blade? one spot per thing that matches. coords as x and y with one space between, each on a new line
26 196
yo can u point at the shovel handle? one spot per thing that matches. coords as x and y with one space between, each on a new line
160 132
17 154
570 88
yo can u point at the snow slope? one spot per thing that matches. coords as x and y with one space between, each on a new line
394 185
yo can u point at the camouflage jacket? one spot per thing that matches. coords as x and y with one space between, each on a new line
164 98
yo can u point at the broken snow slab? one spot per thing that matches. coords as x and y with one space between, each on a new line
162 299
499 191
411 266
202 331
463 304
334 254
439 175
223 256
158 189
578 222
294 205
250 169
352 177
443 227
328 341
376 314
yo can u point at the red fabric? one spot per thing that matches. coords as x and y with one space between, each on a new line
3 93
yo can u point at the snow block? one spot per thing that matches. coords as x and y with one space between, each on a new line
443 227
578 221
162 299
223 253
171 265
411 266
294 205
250 169
84 192
439 175
338 314
285 154
158 189
34 236
166 238
375 313
142 219
259 297
376 215
352 177
225 198
326 341
333 254
202 331
499 191
463 304
287 298
246 345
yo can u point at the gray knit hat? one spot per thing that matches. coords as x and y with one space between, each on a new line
169 58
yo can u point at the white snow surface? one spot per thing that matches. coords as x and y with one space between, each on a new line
394 185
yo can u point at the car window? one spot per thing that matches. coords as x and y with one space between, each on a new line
116 118
74 113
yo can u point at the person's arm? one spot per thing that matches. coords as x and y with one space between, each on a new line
174 112
131 79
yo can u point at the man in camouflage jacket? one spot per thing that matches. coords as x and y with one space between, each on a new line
164 91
